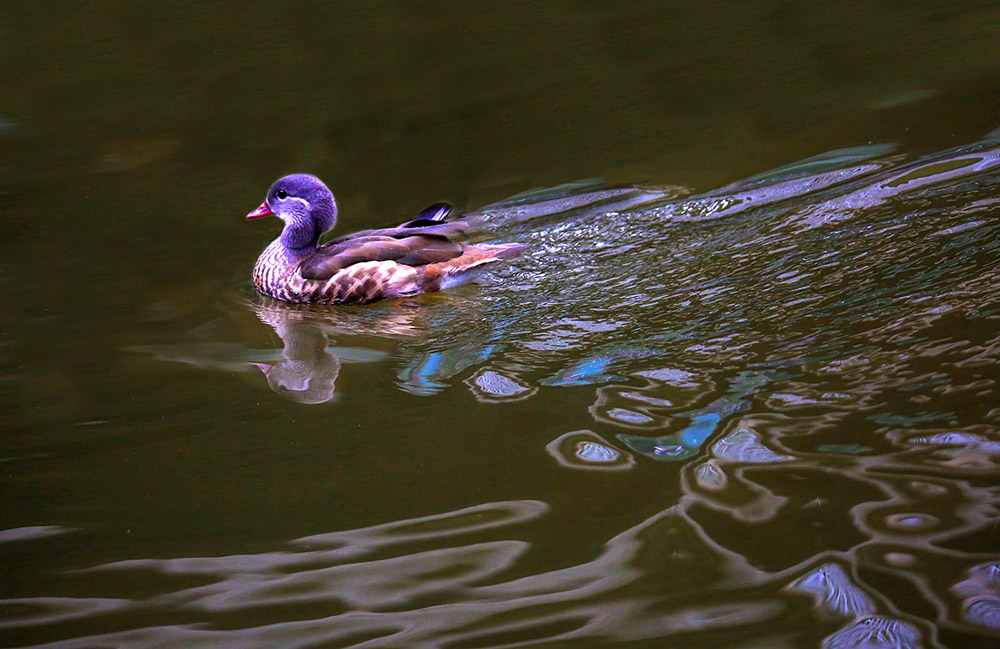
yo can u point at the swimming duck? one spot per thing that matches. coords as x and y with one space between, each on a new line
415 257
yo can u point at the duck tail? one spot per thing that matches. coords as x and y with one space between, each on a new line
502 250
471 263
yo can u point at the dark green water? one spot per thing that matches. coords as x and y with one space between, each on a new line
725 398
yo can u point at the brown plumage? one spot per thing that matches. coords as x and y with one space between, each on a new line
415 257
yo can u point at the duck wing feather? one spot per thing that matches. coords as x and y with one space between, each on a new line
412 250
449 230
431 214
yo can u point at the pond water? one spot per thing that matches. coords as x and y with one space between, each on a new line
739 391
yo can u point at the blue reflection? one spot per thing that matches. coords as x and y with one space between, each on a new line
593 370
687 442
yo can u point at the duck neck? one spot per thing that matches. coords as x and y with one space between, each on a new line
300 236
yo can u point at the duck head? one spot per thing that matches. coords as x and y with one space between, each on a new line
306 206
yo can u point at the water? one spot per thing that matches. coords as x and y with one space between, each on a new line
745 402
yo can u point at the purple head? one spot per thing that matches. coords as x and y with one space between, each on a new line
306 206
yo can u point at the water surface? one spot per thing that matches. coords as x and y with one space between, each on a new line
741 390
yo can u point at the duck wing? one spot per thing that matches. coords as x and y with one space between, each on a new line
403 246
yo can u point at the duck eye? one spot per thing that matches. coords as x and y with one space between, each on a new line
281 194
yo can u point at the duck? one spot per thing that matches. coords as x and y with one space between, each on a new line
419 256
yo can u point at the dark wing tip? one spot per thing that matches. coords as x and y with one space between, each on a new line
435 213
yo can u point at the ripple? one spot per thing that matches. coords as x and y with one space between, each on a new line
983 611
32 532
833 591
875 632
491 386
584 449
743 445
980 593
939 168
719 616
900 559
38 611
376 583
664 392
709 475
910 522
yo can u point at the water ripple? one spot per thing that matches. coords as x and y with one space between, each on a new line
805 362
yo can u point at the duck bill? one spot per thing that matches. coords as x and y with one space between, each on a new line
261 212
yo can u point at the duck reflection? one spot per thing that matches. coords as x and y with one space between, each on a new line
308 370
306 367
